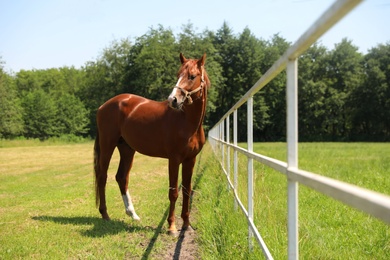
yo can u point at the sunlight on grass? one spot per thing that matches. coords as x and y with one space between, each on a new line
328 229
47 205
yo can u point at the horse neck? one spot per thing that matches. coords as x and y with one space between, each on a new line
196 112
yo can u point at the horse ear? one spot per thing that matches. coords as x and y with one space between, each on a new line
202 60
182 58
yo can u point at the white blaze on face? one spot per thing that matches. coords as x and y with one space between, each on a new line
129 207
172 95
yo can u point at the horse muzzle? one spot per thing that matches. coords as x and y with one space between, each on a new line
174 103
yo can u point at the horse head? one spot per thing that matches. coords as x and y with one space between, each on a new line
191 84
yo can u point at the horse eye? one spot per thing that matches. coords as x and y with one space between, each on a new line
191 77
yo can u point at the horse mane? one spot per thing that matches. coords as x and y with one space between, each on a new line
206 79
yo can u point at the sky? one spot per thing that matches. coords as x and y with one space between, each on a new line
41 34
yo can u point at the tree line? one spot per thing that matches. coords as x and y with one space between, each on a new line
344 95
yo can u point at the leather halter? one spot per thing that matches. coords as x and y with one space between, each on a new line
187 94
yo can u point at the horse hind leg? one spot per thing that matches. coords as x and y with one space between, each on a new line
103 153
122 176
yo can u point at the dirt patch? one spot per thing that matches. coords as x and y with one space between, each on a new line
185 247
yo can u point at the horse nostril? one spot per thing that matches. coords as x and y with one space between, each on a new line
172 101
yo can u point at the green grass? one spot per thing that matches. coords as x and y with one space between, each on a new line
47 206
328 229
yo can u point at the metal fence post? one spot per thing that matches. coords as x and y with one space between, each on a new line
250 169
235 155
228 148
292 157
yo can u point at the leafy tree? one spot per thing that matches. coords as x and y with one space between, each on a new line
224 42
72 116
11 121
249 55
26 81
153 64
39 115
344 72
56 81
73 80
312 84
275 91
104 78
343 95
371 99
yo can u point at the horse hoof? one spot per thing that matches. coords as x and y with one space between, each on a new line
133 215
188 229
173 233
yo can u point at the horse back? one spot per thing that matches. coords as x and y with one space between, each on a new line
149 127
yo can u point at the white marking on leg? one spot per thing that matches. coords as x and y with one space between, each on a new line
129 207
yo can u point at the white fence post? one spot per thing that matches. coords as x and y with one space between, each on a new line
250 169
223 145
228 148
235 155
292 157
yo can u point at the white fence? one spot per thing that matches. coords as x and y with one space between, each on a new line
368 201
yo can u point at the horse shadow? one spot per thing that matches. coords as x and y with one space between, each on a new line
102 228
99 228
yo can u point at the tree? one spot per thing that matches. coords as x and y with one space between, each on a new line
104 78
72 116
249 55
39 115
344 73
312 84
224 42
11 120
371 99
343 95
26 81
153 64
275 91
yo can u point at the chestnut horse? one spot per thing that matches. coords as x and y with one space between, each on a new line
170 129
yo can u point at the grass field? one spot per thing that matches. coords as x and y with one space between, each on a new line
47 206
328 229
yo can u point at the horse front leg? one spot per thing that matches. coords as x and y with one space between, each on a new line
187 170
173 194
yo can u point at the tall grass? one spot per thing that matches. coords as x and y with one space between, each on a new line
328 229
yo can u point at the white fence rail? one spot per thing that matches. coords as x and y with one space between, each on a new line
368 201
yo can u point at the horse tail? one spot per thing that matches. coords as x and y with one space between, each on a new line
96 163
